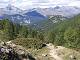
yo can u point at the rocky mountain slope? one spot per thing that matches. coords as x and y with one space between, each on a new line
49 23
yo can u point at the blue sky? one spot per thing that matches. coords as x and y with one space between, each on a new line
26 4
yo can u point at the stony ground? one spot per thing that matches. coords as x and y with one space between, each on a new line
51 52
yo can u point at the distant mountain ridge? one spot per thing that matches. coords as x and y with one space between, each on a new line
36 14
67 11
19 16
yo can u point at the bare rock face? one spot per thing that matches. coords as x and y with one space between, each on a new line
10 51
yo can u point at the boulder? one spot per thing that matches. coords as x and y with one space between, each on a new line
10 51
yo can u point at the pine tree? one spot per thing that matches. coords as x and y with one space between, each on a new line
23 32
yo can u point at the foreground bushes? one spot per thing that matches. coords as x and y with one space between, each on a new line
11 31
29 42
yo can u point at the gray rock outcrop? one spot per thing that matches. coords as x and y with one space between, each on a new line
10 51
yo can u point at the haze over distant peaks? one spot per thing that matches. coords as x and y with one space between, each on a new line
36 14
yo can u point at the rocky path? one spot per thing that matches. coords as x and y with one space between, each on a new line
53 52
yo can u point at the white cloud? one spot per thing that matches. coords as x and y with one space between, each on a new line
4 0
75 3
25 4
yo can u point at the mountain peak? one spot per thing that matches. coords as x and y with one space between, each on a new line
56 7
10 10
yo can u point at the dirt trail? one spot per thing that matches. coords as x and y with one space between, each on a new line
53 52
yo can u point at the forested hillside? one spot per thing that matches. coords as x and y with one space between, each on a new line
66 33
26 36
